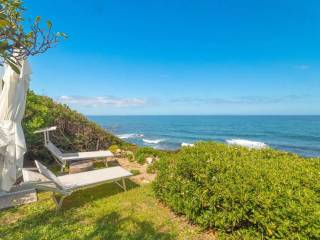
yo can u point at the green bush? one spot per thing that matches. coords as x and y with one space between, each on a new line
130 156
142 153
113 148
152 168
245 194
99 164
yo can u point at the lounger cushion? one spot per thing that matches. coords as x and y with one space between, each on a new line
86 155
78 155
32 176
54 150
84 179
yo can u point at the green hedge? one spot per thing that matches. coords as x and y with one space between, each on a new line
245 194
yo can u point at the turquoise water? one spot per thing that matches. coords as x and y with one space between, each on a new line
299 134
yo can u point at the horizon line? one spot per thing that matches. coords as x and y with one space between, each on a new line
216 115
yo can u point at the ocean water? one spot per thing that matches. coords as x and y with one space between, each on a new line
298 134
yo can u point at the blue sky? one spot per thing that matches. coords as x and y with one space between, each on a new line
182 57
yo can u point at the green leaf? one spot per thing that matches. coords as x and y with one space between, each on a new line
4 44
38 19
49 24
3 16
30 35
3 23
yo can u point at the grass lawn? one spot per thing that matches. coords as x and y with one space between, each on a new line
104 212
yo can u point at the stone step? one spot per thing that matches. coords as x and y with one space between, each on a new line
18 195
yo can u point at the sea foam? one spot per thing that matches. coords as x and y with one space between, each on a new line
152 141
187 144
130 135
247 143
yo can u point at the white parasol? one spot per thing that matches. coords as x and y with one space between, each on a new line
12 107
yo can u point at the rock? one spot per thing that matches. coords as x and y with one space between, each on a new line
118 151
18 195
80 167
187 145
149 160
144 181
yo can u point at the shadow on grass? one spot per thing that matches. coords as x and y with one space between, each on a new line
30 227
46 215
43 222
114 226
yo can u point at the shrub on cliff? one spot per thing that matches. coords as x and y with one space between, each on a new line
144 152
75 132
246 194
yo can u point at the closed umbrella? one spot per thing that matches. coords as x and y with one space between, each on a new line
12 107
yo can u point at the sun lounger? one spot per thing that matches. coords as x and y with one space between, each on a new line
65 158
67 184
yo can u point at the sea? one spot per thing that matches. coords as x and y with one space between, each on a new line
297 134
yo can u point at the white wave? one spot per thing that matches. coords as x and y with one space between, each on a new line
130 135
152 141
247 143
187 144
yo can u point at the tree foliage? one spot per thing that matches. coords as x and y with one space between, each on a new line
18 39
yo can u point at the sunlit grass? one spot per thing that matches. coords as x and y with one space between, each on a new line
104 212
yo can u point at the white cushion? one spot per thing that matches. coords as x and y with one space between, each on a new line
54 150
83 179
77 155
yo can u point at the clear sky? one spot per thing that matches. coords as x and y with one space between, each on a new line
182 57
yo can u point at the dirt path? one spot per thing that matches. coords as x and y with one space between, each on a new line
142 178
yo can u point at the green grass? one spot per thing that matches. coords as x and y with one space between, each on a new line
103 212
135 172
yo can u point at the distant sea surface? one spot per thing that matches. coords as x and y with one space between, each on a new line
298 134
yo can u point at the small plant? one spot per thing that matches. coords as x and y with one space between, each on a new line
113 148
130 156
135 172
151 169
145 152
99 164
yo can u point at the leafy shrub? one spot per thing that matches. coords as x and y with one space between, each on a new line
99 164
130 156
142 153
113 148
75 132
246 194
152 168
